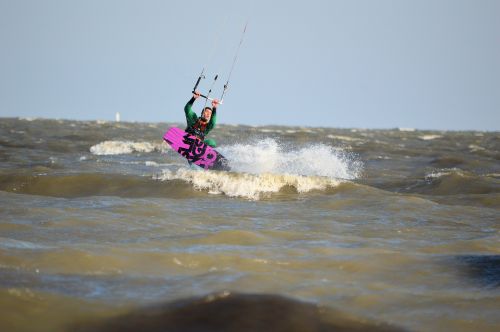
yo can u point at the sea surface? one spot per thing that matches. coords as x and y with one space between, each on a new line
102 221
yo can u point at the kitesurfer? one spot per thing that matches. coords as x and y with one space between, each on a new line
201 126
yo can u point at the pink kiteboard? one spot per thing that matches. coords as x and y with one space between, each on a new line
194 150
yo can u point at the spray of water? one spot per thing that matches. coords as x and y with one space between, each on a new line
268 156
265 167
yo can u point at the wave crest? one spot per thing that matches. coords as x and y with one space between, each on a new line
245 185
454 181
125 147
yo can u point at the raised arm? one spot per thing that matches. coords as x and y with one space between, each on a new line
191 116
213 119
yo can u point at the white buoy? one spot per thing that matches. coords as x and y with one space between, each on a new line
117 116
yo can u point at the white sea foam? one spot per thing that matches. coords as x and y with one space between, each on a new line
249 186
264 130
443 172
429 137
125 147
344 138
474 148
148 163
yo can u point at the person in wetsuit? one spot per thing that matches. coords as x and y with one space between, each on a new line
201 126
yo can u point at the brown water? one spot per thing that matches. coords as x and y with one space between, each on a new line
101 222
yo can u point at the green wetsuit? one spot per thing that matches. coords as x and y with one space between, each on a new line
192 119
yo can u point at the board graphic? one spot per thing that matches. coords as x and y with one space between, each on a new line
194 150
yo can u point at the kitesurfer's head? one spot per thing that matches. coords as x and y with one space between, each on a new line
206 114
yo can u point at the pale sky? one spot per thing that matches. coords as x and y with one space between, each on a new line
426 64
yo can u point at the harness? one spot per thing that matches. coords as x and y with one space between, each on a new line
198 129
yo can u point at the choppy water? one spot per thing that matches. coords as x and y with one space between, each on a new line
395 226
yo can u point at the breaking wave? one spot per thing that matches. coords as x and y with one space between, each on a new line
429 137
250 186
266 167
454 181
125 147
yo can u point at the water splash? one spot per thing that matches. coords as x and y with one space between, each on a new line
268 156
267 167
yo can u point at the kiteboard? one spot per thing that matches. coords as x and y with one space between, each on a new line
194 150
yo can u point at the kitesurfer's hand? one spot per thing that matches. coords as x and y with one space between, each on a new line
196 94
215 102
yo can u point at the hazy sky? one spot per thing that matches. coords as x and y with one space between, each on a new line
427 64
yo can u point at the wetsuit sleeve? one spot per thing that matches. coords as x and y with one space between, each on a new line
191 116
